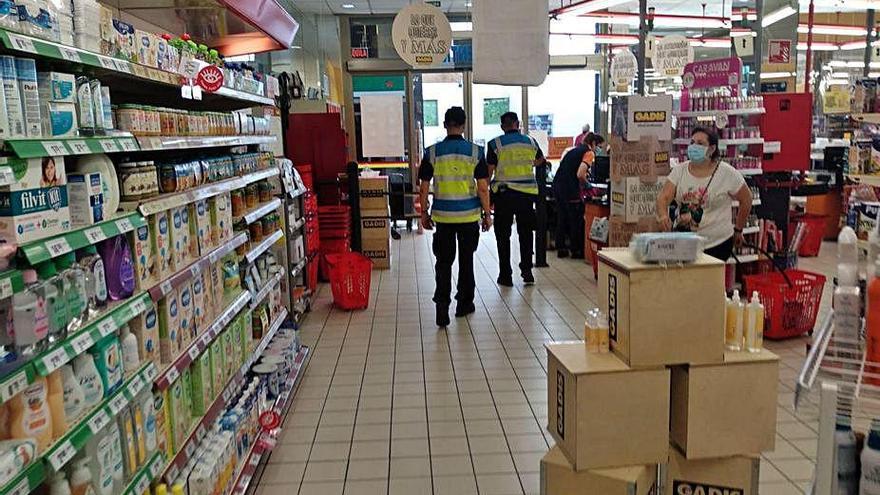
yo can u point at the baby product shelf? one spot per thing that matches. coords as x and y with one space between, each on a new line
54 146
51 247
151 143
713 113
261 248
267 288
141 481
261 211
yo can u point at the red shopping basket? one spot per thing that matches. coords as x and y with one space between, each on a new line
815 231
790 309
350 280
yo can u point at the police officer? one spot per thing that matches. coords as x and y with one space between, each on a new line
461 193
512 158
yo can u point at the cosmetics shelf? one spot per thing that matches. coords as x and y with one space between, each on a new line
263 246
148 81
267 288
140 482
32 148
261 211
195 349
51 247
730 111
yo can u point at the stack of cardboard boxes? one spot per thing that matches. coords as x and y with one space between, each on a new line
669 397
375 223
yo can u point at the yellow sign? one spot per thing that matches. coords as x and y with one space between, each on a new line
836 99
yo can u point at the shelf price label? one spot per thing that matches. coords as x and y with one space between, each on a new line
14 386
58 246
62 455
124 225
129 145
138 307
95 235
142 484
190 449
172 375
54 148
6 288
150 373
109 145
156 468
137 384
69 54
55 360
79 147
194 352
22 43
166 287
107 63
22 488
117 404
81 343
97 422
106 327
122 66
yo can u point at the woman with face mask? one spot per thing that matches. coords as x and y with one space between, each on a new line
704 188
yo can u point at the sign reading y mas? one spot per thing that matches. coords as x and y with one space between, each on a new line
421 35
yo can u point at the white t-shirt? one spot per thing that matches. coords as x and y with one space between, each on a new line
709 214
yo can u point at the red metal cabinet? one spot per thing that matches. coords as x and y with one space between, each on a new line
789 120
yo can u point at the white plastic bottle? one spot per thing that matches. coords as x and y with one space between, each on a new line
150 435
847 258
130 358
74 398
74 283
30 320
89 378
754 324
81 478
847 457
56 301
59 485
870 480
734 325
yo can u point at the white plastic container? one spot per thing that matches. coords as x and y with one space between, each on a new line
130 358
74 398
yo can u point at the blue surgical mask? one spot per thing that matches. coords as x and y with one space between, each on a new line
697 152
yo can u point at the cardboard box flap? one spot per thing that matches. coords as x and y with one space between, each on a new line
573 356
750 357
622 259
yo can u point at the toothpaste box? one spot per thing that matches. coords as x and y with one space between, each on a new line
35 205
56 87
179 237
12 94
160 231
26 71
204 234
146 329
169 327
145 268
186 316
86 199
59 119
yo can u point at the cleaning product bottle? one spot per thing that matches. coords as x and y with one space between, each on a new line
30 322
847 456
59 485
754 324
733 335
870 479
848 258
56 404
119 268
872 325
81 478
130 358
108 360
74 280
30 416
96 281
74 399
56 301
89 379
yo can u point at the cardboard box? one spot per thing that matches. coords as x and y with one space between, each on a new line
663 315
373 192
378 250
725 476
726 409
85 199
558 477
633 199
596 402
35 205
375 224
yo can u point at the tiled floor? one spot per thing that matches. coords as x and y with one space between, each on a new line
391 405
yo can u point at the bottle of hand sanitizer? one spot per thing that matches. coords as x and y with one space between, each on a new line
754 324
734 325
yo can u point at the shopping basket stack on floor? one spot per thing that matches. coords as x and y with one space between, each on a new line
350 276
669 393
335 233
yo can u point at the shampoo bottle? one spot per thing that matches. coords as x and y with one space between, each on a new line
56 301
755 324
89 379
56 404
129 444
74 399
30 322
81 478
30 416
870 479
733 335
847 457
130 358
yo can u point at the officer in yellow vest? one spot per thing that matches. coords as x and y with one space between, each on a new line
512 158
461 192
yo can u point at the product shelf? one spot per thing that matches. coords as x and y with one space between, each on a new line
156 143
173 200
871 180
257 451
298 268
267 288
170 374
261 211
264 245
297 225
80 341
713 113
31 477
57 146
51 247
162 84
162 289
140 482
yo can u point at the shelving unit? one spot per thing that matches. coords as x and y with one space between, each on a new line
714 113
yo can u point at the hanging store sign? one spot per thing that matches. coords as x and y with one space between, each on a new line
422 35
210 78
671 55
722 72
623 68
649 116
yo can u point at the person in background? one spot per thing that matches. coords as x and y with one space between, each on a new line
512 158
461 192
567 182
585 131
704 188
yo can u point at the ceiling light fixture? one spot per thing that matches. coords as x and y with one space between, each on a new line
833 30
818 46
461 26
775 75
854 45
777 15
588 6
348 6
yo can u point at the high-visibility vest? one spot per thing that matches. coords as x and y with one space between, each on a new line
455 190
516 163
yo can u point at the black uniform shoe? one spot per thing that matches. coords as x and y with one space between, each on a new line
442 316
464 310
528 278
562 253
505 281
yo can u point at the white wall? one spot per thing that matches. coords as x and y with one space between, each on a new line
569 96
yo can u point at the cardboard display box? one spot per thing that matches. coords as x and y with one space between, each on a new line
633 199
373 192
725 476
375 224
378 250
727 409
663 315
558 477
596 403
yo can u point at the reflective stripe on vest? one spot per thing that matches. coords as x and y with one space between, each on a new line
516 166
455 191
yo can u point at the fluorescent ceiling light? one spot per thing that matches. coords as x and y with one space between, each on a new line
588 6
736 33
660 21
464 26
348 6
818 46
833 30
711 43
854 45
775 75
840 82
777 15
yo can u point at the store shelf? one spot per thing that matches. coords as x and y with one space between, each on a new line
79 434
157 143
28 480
747 172
53 146
162 289
713 113
173 200
140 482
97 328
264 245
868 118
257 451
267 288
170 374
871 180
261 211
46 249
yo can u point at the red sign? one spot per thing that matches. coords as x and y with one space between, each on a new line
270 420
780 52
360 53
210 78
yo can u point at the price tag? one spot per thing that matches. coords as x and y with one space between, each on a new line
190 449
137 384
173 471
107 63
142 484
58 246
194 352
197 92
97 422
245 480
6 288
172 374
206 339
124 225
82 343
186 92
15 385
195 270
79 147
21 43
129 145
22 488
150 373
166 287
106 327
55 359
109 145
95 235
62 455
156 468
118 403
54 148
138 307
69 54
122 66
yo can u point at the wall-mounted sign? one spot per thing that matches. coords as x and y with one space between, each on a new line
721 72
779 52
623 68
421 35
671 54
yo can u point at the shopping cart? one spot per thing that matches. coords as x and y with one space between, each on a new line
350 275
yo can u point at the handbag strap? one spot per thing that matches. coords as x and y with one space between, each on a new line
706 190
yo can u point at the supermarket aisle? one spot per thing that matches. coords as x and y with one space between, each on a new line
391 405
